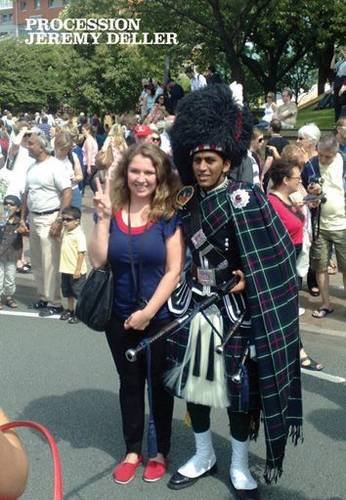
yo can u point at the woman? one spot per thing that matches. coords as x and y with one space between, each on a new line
135 216
90 149
286 179
158 112
116 140
308 138
269 110
63 146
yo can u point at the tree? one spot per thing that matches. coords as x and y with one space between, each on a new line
32 76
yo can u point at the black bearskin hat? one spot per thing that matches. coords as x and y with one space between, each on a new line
209 119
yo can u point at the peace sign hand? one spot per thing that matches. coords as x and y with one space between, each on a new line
101 200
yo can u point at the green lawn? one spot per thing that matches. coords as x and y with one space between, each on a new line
324 118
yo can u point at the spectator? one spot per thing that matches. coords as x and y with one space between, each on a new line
339 85
142 133
274 146
197 80
341 134
287 112
72 267
159 89
326 172
269 111
158 112
148 99
11 245
174 93
286 181
44 126
18 160
13 463
47 193
213 76
63 146
90 149
118 144
143 200
308 138
276 138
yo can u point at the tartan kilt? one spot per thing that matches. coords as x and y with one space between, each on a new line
233 353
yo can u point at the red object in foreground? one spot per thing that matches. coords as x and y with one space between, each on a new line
57 489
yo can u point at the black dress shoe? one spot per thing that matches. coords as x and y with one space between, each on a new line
178 481
245 494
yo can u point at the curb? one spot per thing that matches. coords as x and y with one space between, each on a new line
326 331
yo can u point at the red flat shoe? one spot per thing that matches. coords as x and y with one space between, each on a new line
154 471
124 472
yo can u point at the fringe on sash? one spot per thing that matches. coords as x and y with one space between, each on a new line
273 472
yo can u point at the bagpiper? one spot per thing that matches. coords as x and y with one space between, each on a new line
242 353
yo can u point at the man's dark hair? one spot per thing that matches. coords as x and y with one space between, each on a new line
275 125
44 119
212 68
72 211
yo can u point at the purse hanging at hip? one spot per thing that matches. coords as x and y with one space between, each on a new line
94 306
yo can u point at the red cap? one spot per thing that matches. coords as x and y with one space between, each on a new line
142 130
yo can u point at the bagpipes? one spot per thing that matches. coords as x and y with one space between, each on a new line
173 327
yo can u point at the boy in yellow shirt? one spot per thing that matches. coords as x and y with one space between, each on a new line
72 267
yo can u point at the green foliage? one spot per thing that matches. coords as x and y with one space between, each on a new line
32 76
324 118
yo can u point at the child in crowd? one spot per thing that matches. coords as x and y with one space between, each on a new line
11 244
72 261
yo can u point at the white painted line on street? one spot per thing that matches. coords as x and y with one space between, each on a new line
28 314
324 376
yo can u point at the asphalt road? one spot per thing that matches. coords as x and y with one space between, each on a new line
63 376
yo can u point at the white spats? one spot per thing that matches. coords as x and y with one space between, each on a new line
204 458
239 471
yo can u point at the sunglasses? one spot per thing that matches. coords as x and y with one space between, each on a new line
68 219
155 139
10 203
261 139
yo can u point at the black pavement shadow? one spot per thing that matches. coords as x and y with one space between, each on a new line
84 418
90 418
321 419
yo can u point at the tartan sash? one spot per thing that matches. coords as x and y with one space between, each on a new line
268 261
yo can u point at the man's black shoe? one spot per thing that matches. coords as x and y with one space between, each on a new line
50 311
178 481
40 304
244 494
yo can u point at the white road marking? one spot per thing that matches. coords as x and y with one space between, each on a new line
324 376
28 314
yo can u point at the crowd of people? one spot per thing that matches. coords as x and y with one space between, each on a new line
230 215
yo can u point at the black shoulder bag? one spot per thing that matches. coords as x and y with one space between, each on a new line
94 306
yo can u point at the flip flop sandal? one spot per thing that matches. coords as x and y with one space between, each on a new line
321 313
314 291
313 365
10 302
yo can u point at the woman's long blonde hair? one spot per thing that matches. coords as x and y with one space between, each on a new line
164 199
116 135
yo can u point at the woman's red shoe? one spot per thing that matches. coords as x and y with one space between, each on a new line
124 472
154 471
